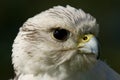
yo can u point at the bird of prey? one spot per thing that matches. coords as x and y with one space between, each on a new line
60 44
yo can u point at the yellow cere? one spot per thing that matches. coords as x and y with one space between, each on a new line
84 39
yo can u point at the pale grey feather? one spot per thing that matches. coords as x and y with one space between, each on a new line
38 56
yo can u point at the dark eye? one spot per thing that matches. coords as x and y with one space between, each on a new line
61 34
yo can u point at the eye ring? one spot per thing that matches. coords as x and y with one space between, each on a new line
60 34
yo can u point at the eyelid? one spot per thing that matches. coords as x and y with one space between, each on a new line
52 29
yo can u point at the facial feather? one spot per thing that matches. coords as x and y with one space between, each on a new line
35 51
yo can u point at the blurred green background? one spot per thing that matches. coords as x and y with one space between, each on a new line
13 13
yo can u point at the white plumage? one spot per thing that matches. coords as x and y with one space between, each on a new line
59 44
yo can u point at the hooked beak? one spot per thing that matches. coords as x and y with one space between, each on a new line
88 46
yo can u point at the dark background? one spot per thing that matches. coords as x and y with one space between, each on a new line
13 13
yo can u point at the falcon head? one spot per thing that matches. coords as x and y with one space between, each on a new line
58 38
